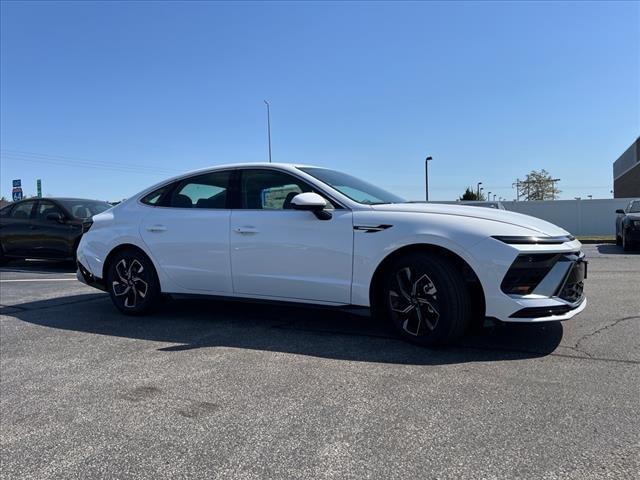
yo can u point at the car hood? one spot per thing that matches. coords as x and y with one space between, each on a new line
633 216
492 214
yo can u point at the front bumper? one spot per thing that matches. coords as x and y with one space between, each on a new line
557 294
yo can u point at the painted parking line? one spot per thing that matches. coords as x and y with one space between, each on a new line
17 270
40 280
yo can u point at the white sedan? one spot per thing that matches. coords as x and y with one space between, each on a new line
305 234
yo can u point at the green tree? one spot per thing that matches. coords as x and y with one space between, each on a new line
539 185
469 194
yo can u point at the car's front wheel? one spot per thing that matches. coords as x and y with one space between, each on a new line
426 299
132 282
627 244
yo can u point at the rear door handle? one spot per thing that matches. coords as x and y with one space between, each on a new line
157 228
245 230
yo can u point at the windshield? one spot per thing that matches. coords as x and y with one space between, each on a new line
84 208
355 189
634 207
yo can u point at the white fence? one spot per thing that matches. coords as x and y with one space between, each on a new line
580 217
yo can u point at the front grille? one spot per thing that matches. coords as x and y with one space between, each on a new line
537 312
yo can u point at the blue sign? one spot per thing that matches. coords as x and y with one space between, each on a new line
17 183
17 195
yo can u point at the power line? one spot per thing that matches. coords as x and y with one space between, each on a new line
61 160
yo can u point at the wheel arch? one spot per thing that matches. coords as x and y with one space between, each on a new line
119 248
470 277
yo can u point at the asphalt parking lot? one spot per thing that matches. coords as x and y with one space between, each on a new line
207 389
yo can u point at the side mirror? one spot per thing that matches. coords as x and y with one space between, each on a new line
55 217
620 211
311 202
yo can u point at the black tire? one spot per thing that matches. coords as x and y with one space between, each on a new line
618 240
3 259
132 282
627 245
426 299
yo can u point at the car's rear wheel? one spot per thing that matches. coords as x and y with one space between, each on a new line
132 282
426 299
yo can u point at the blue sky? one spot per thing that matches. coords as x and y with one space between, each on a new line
108 98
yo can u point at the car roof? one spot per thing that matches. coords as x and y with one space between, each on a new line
70 199
225 166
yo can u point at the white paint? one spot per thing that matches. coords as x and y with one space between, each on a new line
292 255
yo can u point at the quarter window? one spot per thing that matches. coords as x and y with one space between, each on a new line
154 197
204 191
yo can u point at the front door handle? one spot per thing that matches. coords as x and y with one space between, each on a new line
245 230
157 228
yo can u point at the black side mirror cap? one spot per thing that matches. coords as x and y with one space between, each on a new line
620 211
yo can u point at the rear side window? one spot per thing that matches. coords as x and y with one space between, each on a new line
22 211
203 191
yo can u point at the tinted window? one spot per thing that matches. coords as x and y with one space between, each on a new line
45 208
22 210
269 189
352 187
154 197
84 208
203 191
634 207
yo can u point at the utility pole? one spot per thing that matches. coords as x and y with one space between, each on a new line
269 126
426 177
553 187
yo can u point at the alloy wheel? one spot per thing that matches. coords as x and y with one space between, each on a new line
130 282
413 299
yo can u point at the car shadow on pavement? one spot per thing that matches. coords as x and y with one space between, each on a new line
185 325
611 249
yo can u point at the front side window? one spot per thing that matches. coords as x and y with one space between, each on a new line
203 191
352 187
22 211
269 189
46 208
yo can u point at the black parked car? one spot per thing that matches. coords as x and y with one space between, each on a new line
628 226
45 227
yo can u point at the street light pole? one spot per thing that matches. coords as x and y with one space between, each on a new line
426 177
269 126
489 196
478 190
